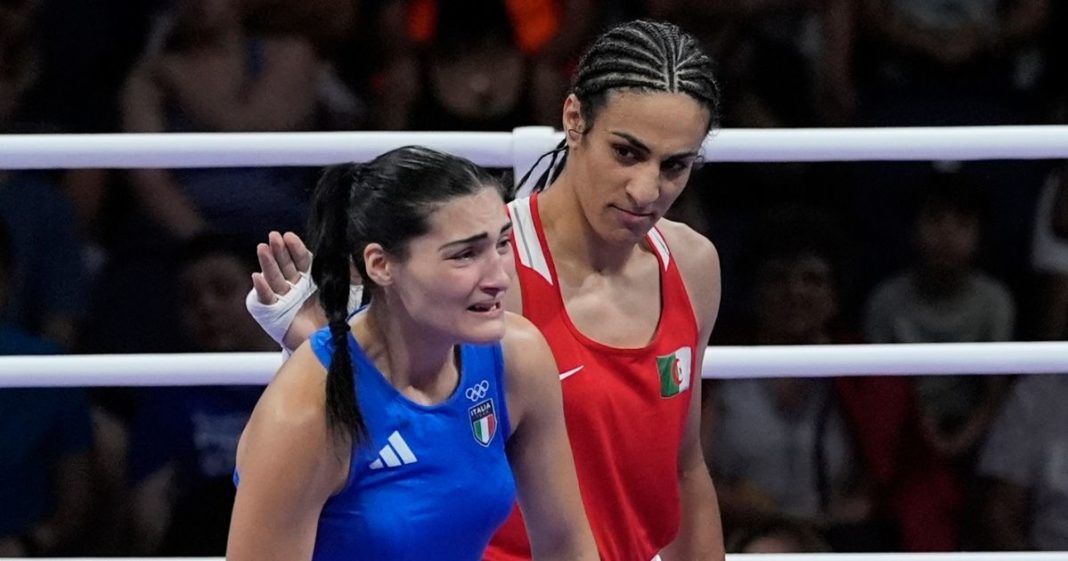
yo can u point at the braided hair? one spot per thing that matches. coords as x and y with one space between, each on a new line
642 56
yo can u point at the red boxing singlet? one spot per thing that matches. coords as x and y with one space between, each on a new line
625 408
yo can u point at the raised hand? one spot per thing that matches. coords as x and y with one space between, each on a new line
281 296
282 259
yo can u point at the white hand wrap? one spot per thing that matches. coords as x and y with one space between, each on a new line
276 318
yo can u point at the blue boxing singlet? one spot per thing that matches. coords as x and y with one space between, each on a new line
429 482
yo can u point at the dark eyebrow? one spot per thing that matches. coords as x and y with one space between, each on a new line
632 140
475 238
641 146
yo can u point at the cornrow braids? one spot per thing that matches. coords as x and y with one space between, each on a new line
647 56
643 56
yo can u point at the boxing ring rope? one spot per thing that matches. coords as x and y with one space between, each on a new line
521 147
518 150
999 556
195 369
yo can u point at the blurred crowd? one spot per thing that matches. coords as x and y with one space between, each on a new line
156 260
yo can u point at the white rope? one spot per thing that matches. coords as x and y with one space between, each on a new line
899 144
720 362
191 150
956 556
1020 556
518 149
191 369
869 360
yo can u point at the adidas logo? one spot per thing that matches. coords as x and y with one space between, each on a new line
394 454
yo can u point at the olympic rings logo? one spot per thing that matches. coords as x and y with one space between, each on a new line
477 391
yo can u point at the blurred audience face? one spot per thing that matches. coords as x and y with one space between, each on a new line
213 289
947 239
796 299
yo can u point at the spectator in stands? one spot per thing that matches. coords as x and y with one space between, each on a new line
781 446
183 440
945 298
1025 465
45 441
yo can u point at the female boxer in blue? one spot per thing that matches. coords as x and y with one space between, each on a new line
405 432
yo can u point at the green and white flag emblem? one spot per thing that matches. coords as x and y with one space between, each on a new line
675 371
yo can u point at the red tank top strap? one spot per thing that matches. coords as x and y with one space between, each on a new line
673 288
537 272
534 265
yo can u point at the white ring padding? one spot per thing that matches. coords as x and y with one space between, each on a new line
193 369
1000 556
953 556
199 150
180 369
918 359
500 149
1031 142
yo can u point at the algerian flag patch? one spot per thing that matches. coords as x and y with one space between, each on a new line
675 371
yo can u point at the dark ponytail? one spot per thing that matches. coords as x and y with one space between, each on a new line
331 245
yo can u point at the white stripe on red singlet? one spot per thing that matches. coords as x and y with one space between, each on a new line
661 247
526 239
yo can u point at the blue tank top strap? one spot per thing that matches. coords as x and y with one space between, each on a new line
477 360
322 345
